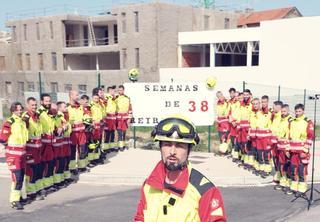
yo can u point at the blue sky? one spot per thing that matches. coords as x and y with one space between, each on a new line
306 7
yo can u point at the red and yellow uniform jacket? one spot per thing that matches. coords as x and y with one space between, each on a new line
301 133
76 117
283 133
263 124
192 198
253 123
245 112
234 110
124 108
33 125
223 110
14 132
275 126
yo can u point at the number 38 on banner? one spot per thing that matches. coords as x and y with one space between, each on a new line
202 106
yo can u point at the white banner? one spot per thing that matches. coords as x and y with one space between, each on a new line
152 102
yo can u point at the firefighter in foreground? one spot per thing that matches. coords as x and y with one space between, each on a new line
175 191
14 135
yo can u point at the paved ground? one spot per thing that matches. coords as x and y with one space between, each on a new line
111 191
133 166
85 202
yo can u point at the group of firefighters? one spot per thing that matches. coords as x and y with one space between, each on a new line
47 147
265 140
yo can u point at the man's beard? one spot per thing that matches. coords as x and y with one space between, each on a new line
175 166
48 106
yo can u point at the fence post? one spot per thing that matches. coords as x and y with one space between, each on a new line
209 138
134 137
243 85
40 84
304 97
99 79
279 91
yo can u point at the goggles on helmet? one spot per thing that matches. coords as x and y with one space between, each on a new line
184 130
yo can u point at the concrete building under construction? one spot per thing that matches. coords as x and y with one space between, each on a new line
70 49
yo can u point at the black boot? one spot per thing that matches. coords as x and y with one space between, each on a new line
17 205
25 201
41 195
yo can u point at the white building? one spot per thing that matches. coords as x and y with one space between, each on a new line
280 52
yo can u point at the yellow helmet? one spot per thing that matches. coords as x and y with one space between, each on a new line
211 82
176 129
133 75
223 147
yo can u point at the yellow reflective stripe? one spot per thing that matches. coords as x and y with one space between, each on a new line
111 117
15 152
78 129
217 212
16 145
30 161
46 140
263 135
34 145
34 137
58 144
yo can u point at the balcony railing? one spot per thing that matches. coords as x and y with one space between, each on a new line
88 42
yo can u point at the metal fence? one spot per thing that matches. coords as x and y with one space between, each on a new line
141 135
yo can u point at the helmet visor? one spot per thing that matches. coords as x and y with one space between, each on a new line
168 126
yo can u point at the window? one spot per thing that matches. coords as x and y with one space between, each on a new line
82 89
25 32
255 53
19 62
136 21
124 58
30 86
20 88
231 54
67 88
14 33
40 61
28 62
124 22
54 87
115 33
206 22
137 57
2 63
54 61
38 30
51 30
226 23
8 88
